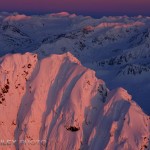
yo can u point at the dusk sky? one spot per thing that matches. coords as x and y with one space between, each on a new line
85 7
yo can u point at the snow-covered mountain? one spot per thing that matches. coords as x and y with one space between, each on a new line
117 48
63 105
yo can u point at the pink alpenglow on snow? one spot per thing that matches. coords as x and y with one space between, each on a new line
17 17
62 104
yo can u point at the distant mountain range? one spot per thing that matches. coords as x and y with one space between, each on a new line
52 69
117 48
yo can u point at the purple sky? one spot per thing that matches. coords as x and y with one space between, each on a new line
94 7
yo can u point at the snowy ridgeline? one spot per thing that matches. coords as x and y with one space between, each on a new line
58 100
116 48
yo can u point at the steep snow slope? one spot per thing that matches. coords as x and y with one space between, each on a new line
58 100
117 48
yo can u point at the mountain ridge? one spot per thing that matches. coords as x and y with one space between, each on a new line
58 100
116 47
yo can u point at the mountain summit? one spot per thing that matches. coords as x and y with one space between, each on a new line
57 100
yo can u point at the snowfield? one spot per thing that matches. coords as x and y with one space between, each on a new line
116 48
65 80
58 100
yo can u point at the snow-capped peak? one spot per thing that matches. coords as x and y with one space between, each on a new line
56 98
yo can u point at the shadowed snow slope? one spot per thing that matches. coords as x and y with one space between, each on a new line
58 100
116 48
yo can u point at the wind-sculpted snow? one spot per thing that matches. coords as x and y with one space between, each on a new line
60 102
107 45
